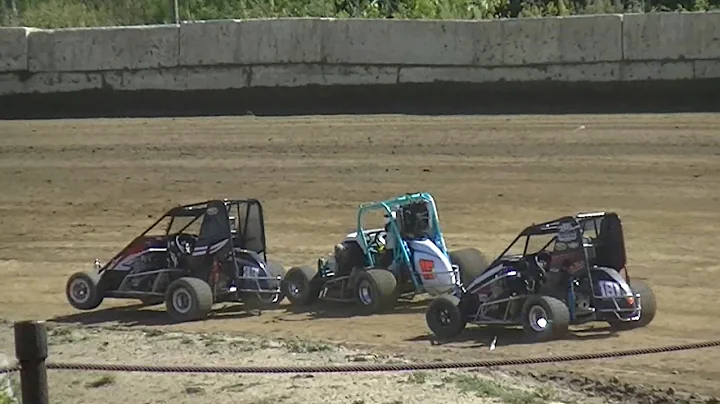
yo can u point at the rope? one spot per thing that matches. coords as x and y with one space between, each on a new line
370 367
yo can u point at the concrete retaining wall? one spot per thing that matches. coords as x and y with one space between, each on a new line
231 54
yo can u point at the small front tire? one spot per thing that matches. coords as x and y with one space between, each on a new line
82 290
444 317
298 286
545 318
188 299
375 291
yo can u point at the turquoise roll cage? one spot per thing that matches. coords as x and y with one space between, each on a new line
401 254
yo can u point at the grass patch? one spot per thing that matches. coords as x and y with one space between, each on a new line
417 377
306 347
482 387
101 381
7 399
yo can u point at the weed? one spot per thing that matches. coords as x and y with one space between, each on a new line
417 377
101 381
306 347
489 388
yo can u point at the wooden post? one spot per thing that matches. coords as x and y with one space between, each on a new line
31 351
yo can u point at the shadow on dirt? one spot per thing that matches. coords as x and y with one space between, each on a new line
476 337
329 309
139 315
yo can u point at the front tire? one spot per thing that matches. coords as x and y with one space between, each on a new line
298 286
545 318
82 290
188 299
375 291
444 317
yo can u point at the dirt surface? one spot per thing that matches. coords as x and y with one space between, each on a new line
141 347
73 191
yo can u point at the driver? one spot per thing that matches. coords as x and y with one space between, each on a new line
536 268
542 263
386 259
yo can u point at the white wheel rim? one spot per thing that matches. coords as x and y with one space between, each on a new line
365 293
293 289
538 318
181 301
79 290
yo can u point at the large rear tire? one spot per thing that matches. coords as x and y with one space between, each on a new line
82 290
188 299
545 318
444 317
298 286
649 307
375 291
471 262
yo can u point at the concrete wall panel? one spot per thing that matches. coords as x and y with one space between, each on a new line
13 49
383 42
98 49
671 36
251 42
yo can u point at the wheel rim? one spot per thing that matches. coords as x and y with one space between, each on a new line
538 318
181 300
79 290
365 293
294 289
444 317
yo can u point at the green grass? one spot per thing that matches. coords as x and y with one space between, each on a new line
482 387
101 381
90 13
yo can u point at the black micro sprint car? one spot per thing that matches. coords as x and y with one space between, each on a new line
571 270
192 257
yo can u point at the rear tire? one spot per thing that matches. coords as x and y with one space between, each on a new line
649 307
82 290
188 299
298 286
472 263
444 317
545 318
375 291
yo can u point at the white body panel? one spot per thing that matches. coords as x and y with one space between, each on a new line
437 278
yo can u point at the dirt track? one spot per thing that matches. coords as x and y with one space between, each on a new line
76 190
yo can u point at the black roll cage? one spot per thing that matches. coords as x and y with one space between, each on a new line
197 210
549 227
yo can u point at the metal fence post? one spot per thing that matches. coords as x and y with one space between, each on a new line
31 351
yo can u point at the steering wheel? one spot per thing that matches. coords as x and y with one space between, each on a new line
185 243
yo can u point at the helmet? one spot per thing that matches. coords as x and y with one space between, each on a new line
390 217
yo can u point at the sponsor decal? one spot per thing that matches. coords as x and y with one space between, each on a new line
427 268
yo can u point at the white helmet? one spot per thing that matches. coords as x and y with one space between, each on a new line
390 217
